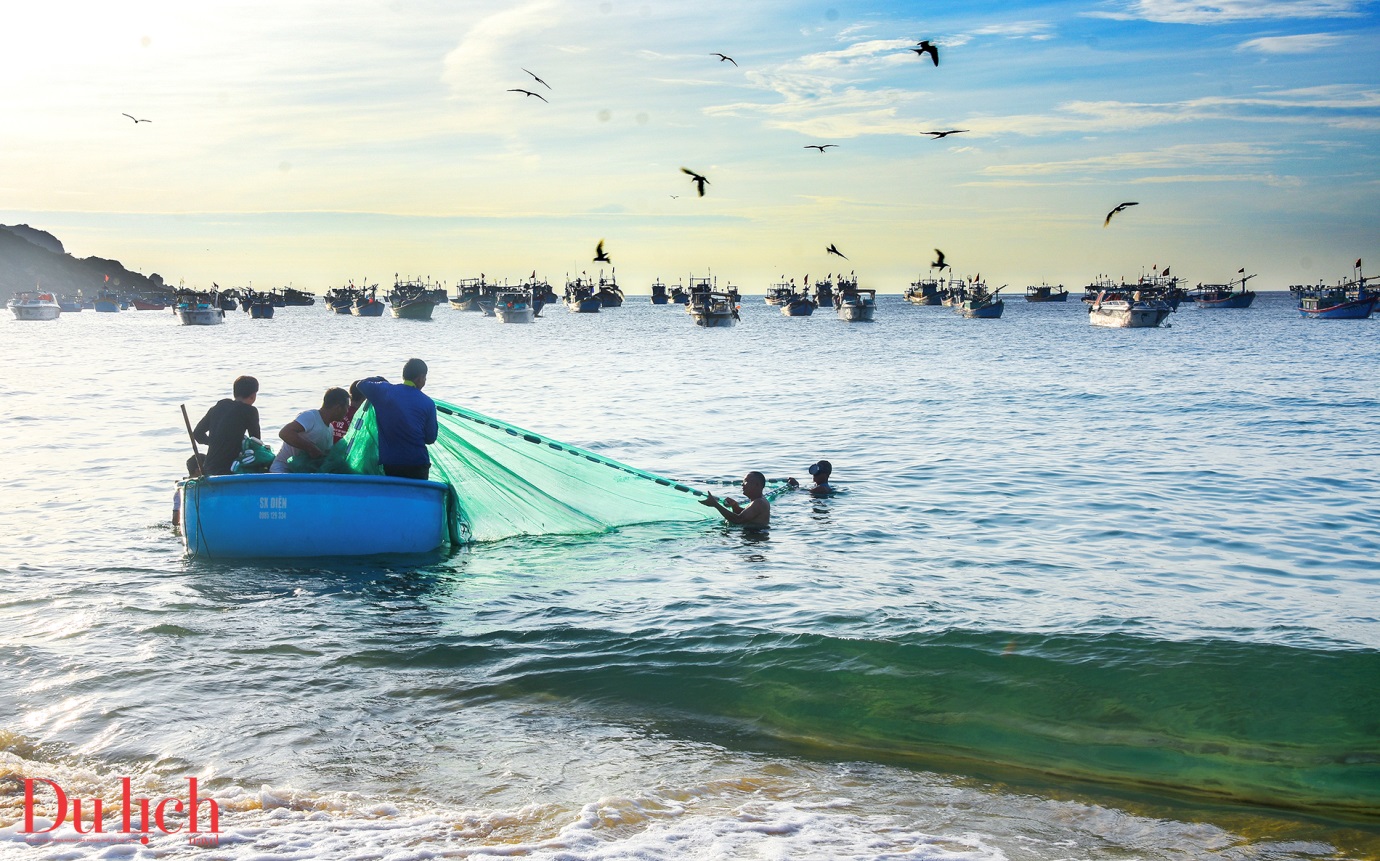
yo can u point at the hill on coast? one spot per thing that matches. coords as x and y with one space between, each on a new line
32 258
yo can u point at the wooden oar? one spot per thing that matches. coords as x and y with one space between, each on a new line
196 455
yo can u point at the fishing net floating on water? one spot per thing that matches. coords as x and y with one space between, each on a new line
509 481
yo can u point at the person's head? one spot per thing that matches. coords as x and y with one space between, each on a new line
356 398
246 389
753 484
414 372
821 471
335 405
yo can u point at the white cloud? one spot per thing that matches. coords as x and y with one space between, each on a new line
1303 43
1227 11
1173 157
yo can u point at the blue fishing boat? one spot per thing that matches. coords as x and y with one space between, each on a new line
659 296
107 303
368 305
1348 300
69 306
979 304
679 295
1233 294
580 297
312 515
799 305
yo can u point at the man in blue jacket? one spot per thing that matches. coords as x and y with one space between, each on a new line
406 420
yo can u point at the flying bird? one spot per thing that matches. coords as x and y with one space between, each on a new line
723 57
535 78
699 181
832 250
820 147
938 135
675 196
137 121
928 47
1108 220
530 93
599 255
939 264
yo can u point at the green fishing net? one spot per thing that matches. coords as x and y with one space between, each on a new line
509 481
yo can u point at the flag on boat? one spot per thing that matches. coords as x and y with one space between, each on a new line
1358 263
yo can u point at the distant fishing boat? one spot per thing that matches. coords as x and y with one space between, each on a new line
341 299
297 298
610 295
580 298
198 309
925 291
368 304
35 306
226 300
824 291
679 295
854 305
412 300
780 293
1233 294
709 307
468 292
539 289
659 296
980 304
312 515
1138 306
515 306
799 305
1348 300
69 305
259 306
1046 293
107 303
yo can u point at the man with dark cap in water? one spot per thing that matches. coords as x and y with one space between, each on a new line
406 420
821 472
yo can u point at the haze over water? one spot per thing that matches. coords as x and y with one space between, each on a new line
1084 594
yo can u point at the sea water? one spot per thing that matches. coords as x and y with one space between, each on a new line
1083 593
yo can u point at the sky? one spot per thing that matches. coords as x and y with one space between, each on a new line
312 143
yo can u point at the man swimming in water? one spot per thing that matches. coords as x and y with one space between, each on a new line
821 472
758 510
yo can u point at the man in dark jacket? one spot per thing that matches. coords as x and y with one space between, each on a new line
224 426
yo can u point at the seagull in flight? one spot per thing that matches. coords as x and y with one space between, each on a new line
723 57
599 255
530 93
699 181
535 78
832 250
928 47
938 135
1108 220
939 264
675 196
820 147
137 121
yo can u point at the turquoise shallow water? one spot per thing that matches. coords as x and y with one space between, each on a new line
1085 594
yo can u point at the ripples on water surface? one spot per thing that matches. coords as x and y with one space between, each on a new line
1087 594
